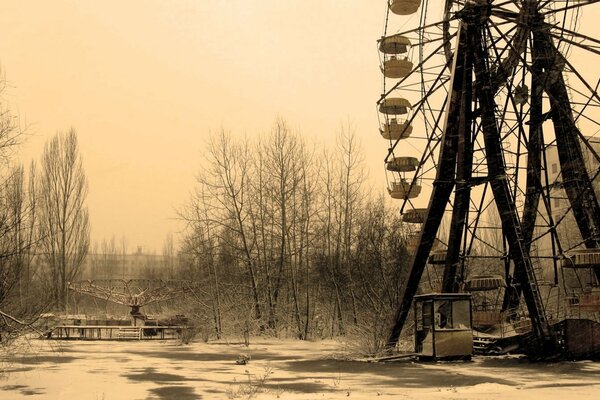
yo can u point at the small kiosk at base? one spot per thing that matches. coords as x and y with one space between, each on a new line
443 326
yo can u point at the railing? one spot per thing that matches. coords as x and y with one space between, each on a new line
112 332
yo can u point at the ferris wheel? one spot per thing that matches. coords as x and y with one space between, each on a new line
491 113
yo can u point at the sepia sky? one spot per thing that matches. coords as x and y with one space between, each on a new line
144 82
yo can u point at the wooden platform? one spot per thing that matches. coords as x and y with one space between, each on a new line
111 332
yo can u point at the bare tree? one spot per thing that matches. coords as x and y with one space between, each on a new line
223 199
290 240
19 299
287 178
283 161
168 253
10 128
351 180
64 220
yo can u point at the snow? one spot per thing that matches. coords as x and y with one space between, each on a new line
102 370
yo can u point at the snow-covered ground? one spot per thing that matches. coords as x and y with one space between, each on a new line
284 369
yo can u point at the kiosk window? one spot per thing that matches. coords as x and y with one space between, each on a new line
443 314
461 316
427 315
452 314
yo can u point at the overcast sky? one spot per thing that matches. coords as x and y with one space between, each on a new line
144 82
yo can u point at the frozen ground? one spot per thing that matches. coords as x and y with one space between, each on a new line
291 370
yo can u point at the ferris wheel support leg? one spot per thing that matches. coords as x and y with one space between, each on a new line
505 204
464 166
437 205
533 186
442 189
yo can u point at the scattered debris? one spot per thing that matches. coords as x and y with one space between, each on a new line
243 359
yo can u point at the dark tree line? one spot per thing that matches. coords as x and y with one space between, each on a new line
44 228
287 240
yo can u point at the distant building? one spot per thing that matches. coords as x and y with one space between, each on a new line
567 230
129 266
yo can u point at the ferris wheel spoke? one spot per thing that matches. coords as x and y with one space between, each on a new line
593 92
516 43
557 93
494 42
439 82
573 4
430 148
478 213
573 33
437 24
564 110
588 103
474 228
595 48
548 216
565 214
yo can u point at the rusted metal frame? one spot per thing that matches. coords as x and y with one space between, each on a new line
594 94
592 48
516 44
566 8
555 240
464 165
479 212
574 33
434 24
565 213
448 18
577 44
442 189
533 186
511 298
505 203
495 41
461 270
560 110
518 118
576 181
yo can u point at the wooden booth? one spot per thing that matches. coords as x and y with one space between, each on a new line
443 329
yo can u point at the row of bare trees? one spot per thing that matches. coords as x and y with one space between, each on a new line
287 239
44 227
